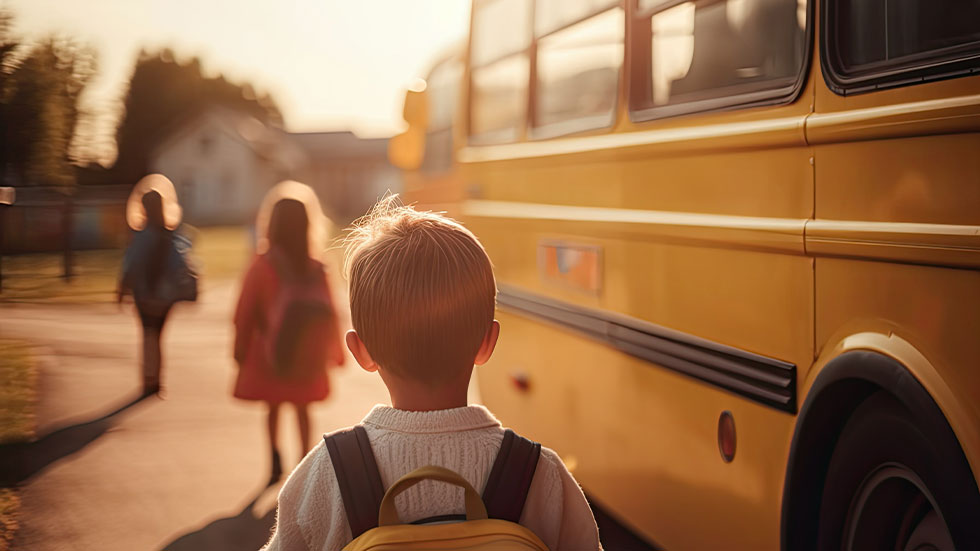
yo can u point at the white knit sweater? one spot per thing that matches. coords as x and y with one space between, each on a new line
466 440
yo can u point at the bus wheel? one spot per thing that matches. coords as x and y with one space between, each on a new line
890 487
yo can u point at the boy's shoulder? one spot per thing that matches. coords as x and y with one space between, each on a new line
320 453
318 462
554 503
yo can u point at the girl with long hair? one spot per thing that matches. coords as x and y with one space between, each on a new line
155 268
286 328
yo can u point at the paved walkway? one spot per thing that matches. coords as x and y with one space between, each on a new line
185 473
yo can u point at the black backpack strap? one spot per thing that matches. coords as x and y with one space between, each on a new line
358 477
510 478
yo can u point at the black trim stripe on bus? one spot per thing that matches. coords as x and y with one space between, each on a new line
765 380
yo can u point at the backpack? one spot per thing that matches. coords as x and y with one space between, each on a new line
178 280
491 522
300 332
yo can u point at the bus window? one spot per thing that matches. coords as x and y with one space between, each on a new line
443 96
706 54
551 15
873 38
577 74
500 42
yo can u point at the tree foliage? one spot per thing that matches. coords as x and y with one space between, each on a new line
40 85
163 92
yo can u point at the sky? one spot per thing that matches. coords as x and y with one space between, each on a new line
328 64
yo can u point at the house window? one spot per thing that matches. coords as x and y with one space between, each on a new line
228 192
228 182
205 144
187 193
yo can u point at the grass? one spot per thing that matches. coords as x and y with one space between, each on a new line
36 278
222 254
18 382
18 387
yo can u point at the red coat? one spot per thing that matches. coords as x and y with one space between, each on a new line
257 379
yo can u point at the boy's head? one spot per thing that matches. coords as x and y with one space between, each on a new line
422 292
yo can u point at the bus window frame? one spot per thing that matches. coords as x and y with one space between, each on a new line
772 95
905 71
449 126
504 135
581 124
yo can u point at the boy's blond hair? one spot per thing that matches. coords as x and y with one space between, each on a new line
422 291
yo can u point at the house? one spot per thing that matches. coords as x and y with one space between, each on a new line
348 173
222 162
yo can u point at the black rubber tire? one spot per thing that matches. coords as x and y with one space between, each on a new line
882 431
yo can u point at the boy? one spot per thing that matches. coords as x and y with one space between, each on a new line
422 296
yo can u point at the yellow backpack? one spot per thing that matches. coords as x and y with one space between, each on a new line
491 522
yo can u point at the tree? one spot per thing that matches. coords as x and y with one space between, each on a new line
8 60
162 91
39 112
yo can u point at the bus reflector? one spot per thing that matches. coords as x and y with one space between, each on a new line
726 436
520 381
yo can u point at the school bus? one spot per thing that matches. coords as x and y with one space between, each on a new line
737 244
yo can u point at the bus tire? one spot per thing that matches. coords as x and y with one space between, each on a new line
889 485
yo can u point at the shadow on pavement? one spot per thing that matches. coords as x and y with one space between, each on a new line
22 460
244 531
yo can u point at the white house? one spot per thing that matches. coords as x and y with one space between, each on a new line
222 162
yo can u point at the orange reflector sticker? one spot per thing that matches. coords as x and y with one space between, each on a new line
571 265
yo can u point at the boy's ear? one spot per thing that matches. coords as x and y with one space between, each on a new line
357 348
488 344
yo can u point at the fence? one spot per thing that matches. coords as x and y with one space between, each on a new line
46 219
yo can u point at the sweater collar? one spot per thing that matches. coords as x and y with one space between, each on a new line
443 420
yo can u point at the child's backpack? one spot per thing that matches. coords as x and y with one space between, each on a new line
300 333
490 522
177 277
180 280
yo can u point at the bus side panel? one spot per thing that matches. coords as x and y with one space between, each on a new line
936 310
927 180
643 438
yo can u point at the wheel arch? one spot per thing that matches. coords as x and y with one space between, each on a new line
843 383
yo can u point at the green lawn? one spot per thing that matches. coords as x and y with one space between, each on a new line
222 252
38 277
18 383
18 379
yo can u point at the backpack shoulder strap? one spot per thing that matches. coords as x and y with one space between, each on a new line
358 477
510 478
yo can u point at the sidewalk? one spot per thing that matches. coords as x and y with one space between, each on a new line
182 473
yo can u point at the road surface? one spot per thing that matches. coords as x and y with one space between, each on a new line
182 473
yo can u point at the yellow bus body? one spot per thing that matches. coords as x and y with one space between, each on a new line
796 232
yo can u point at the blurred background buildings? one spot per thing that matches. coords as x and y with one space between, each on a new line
93 98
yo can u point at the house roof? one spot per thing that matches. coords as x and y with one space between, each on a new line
343 144
269 143
291 150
